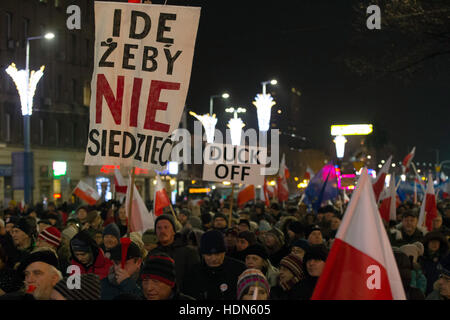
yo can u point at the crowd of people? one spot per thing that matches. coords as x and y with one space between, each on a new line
200 251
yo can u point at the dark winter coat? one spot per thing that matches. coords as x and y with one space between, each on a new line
185 257
101 264
111 289
275 258
219 283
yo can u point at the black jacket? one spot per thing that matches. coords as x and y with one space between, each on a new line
185 257
220 283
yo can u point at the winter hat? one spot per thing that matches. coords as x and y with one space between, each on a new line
27 225
91 216
149 237
444 265
206 218
231 232
264 226
159 267
70 232
249 236
212 242
220 215
415 250
301 243
249 278
195 222
294 264
44 255
132 252
168 217
113 230
278 234
89 288
316 252
186 212
51 235
258 250
253 226
296 227
79 245
409 213
12 219
310 229
10 281
245 221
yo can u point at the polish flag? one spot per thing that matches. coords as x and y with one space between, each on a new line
309 174
265 190
140 219
378 185
283 190
119 182
428 211
361 254
388 207
407 160
134 1
161 200
446 191
86 193
245 195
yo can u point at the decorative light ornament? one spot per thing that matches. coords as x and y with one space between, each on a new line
209 124
340 145
263 104
26 90
236 125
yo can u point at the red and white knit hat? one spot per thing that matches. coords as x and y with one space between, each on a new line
51 235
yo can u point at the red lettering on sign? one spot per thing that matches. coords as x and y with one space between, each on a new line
154 104
114 103
135 97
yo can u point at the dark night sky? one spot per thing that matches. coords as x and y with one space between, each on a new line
301 43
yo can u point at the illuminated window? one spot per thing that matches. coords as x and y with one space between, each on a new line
86 93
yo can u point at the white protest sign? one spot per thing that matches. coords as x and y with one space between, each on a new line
142 66
237 164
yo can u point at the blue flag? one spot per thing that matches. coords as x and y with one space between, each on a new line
322 187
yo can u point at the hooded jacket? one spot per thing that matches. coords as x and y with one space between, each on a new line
101 264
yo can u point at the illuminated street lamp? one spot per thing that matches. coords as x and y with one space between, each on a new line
26 83
264 103
211 100
209 124
340 146
235 124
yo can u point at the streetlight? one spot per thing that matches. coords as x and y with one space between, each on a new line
209 124
211 98
264 103
340 145
264 83
26 83
235 124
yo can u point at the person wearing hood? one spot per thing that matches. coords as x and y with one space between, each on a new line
276 247
111 238
289 280
442 285
220 222
172 244
314 261
216 277
159 280
122 279
414 251
24 234
436 247
89 289
88 256
256 257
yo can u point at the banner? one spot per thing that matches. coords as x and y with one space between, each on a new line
236 164
142 65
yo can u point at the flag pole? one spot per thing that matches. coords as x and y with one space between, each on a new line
417 175
231 205
130 201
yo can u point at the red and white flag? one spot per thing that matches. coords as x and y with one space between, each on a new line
86 193
446 191
428 211
140 218
245 195
407 160
283 174
266 194
161 199
119 183
309 174
378 185
390 203
361 254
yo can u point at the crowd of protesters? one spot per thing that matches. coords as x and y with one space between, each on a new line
196 252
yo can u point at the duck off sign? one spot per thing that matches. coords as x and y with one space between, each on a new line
142 66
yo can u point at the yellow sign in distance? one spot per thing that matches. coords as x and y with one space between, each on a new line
351 129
